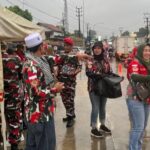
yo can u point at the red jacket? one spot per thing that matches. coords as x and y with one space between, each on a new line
137 68
21 55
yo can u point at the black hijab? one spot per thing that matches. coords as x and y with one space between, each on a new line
101 55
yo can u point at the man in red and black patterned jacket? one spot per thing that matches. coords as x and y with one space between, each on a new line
68 68
40 90
12 67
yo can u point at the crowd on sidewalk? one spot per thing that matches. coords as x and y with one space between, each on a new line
32 79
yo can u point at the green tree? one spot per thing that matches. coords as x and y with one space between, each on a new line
142 32
24 13
126 33
112 38
76 33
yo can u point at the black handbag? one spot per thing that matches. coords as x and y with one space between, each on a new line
142 91
110 86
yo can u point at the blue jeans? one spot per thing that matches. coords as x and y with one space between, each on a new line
98 108
41 136
138 113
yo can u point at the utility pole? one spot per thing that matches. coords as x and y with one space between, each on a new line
79 10
66 24
120 29
87 29
146 20
63 24
83 24
23 3
88 32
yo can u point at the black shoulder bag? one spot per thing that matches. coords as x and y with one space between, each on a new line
142 91
110 86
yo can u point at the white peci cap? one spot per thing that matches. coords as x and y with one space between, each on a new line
33 40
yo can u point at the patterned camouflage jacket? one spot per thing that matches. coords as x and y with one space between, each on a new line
39 97
67 66
12 74
95 70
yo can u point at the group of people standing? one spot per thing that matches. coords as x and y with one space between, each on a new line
30 87
32 81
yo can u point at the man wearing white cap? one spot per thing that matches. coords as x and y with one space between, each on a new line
39 96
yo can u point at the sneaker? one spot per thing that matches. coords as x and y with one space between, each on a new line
8 144
96 133
14 147
105 129
70 122
67 118
22 137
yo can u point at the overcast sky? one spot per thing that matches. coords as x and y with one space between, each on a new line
104 16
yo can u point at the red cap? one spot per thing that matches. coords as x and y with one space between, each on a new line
68 41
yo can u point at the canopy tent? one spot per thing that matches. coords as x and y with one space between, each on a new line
14 27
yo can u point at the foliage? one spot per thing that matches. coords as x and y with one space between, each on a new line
142 32
126 33
77 34
112 38
24 13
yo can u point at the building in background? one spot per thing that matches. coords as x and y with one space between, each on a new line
123 46
51 31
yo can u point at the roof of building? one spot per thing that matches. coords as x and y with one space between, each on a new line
51 27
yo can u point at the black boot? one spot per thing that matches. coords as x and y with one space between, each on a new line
67 118
70 122
14 147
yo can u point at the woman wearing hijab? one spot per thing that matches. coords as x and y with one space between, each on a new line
138 72
95 69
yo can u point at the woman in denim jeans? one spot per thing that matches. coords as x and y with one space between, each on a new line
138 71
95 69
